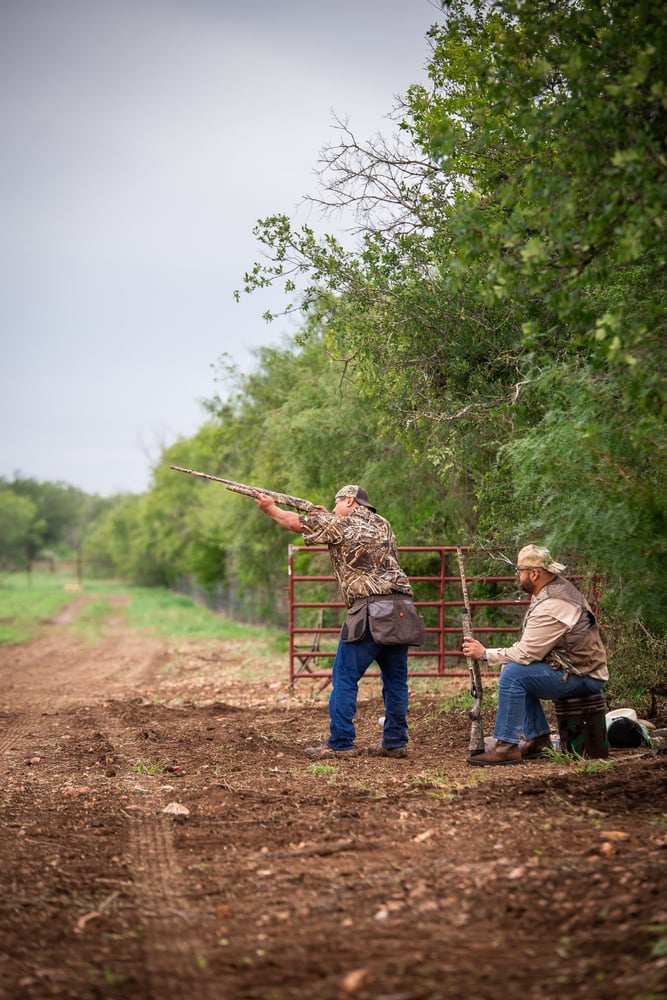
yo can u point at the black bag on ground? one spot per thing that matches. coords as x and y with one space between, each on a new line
625 734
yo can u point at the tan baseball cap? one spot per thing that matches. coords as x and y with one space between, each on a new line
538 557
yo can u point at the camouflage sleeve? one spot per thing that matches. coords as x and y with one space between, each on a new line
321 528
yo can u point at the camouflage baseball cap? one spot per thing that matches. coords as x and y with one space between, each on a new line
358 493
538 557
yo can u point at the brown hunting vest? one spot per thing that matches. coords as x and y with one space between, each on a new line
582 645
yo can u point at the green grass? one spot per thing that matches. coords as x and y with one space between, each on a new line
320 769
143 766
92 615
443 787
27 604
163 613
577 762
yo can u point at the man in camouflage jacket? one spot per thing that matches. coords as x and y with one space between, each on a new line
364 558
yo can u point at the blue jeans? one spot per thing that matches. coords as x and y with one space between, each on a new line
351 662
519 691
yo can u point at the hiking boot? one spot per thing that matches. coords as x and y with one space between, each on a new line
329 753
539 746
501 753
380 750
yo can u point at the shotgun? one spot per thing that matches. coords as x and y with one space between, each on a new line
284 498
475 713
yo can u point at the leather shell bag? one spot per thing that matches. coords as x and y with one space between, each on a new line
393 621
354 626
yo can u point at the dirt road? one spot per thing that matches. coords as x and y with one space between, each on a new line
163 837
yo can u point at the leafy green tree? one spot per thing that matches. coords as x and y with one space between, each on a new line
64 514
58 505
509 275
20 529
550 120
116 546
589 485
180 511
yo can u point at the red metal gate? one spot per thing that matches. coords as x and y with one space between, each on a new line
495 603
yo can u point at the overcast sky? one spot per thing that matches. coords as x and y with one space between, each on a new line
141 140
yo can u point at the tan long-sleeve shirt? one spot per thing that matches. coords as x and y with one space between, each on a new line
550 624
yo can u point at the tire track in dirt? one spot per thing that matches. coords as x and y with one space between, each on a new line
15 731
172 941
120 666
174 951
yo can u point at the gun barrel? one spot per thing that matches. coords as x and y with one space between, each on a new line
284 498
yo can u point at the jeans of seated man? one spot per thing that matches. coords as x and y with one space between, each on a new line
520 688
351 662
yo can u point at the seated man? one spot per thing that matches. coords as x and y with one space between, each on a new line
559 655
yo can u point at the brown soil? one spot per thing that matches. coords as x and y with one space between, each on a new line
407 879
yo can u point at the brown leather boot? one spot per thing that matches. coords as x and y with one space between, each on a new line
501 753
539 746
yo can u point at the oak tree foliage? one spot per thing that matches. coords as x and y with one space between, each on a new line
503 302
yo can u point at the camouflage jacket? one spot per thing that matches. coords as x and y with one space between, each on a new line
362 550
